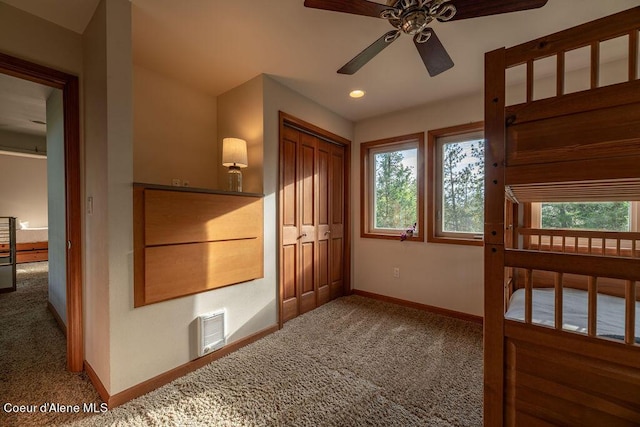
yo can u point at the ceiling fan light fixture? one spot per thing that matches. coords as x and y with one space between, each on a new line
357 93
414 22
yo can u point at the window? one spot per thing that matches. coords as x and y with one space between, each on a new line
601 216
456 185
392 187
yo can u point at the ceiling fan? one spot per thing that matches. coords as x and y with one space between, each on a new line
413 17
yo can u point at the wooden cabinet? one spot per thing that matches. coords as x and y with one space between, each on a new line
189 240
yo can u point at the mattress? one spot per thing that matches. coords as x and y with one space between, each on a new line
31 235
575 303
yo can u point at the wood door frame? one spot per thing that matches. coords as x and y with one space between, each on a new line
71 115
287 119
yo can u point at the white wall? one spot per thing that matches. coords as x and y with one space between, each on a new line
174 132
96 304
440 275
24 189
57 208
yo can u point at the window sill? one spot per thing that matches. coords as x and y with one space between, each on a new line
455 241
391 237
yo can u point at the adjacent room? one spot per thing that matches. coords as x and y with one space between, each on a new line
310 212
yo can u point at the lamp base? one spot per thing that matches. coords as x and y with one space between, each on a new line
235 179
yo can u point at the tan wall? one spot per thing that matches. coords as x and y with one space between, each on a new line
24 189
174 132
34 39
441 275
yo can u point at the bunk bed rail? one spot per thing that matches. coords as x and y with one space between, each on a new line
593 267
605 243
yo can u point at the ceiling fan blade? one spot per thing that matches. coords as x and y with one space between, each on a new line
473 8
434 55
357 7
367 55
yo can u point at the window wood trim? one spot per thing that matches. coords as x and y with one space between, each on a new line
365 149
432 192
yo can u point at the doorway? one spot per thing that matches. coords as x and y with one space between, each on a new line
71 118
314 213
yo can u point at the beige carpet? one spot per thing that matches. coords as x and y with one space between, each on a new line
33 355
352 362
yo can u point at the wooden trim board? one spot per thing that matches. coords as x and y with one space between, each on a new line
69 84
56 316
158 381
424 307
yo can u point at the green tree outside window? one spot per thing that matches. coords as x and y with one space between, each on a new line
395 189
463 187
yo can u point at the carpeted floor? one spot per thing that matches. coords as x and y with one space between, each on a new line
33 355
352 362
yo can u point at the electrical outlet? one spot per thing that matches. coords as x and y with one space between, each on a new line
185 183
396 272
176 182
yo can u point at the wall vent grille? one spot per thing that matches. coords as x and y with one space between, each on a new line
211 332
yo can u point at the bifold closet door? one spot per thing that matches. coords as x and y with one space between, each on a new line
312 210
307 182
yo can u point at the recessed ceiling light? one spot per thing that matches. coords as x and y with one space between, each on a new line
356 93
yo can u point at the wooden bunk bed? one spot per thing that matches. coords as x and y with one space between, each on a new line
576 146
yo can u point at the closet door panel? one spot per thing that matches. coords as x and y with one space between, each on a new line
337 268
324 221
307 180
337 171
289 212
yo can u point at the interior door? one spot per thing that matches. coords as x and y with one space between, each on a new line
312 212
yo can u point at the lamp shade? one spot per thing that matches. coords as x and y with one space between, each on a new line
234 152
